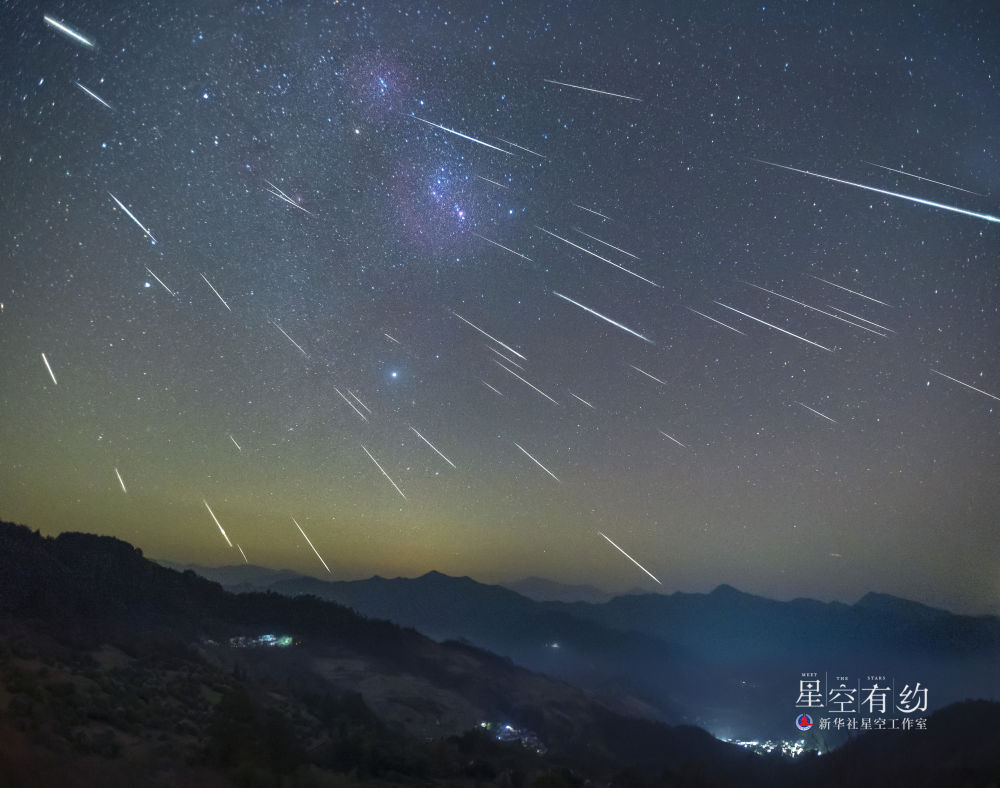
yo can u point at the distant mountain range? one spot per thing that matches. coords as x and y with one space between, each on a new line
727 660
117 671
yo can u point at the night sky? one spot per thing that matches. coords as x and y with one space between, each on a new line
284 155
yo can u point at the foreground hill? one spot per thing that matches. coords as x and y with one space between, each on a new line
115 671
727 661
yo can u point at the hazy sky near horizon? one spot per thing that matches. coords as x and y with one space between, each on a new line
466 286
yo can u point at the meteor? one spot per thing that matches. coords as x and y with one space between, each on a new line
608 218
49 368
217 522
652 377
391 339
595 238
120 481
495 391
358 400
223 300
284 197
160 281
311 545
920 177
238 448
529 150
984 216
813 410
432 446
493 182
68 31
869 322
724 325
386 475
582 400
509 361
630 558
134 219
493 338
602 317
463 136
93 95
776 328
503 247
242 553
956 380
592 90
602 259
672 438
512 372
852 292
537 462
362 415
817 309
289 338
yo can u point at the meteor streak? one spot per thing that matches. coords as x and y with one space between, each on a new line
238 447
608 218
594 238
242 553
537 462
816 309
289 338
956 380
920 177
984 216
776 328
503 247
602 259
652 377
284 197
505 358
592 90
223 300
495 391
432 446
391 339
311 545
160 281
134 219
813 410
493 182
529 150
463 136
863 320
217 522
672 438
386 475
362 415
606 319
724 325
358 400
852 292
93 95
49 368
630 558
493 338
512 372
120 481
582 400
68 31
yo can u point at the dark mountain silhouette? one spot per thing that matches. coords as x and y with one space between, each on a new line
115 671
726 660
542 590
